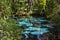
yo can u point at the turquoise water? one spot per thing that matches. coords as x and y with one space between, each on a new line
34 26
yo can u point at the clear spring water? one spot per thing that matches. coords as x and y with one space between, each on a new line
34 26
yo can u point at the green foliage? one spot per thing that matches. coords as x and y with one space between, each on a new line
5 7
19 7
10 29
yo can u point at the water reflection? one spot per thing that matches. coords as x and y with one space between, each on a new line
34 26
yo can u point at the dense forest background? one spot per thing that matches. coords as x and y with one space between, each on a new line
10 9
